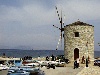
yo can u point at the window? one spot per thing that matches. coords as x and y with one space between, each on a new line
76 34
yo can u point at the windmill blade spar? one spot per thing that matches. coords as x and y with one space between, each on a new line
61 26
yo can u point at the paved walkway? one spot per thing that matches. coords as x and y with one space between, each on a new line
92 70
68 70
3 72
61 71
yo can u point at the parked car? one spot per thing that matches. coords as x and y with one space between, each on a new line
97 63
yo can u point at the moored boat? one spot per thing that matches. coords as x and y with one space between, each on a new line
30 69
3 67
18 72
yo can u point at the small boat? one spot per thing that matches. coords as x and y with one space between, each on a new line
30 69
31 63
3 67
18 72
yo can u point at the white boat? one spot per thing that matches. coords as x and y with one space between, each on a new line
18 72
33 64
3 67
10 71
30 69
45 63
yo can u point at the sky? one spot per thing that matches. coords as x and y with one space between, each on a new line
28 24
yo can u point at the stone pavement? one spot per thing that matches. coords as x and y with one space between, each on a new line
92 70
61 71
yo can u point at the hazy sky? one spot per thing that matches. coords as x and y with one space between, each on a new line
27 24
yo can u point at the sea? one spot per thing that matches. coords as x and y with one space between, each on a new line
18 53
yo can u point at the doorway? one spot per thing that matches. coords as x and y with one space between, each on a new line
76 53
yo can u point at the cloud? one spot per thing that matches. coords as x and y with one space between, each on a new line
29 23
27 15
83 10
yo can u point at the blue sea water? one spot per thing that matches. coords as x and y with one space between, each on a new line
35 53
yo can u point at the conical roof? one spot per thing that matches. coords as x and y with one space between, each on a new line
79 23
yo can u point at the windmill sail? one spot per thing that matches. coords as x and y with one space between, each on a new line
61 27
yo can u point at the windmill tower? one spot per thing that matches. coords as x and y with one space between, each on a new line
78 41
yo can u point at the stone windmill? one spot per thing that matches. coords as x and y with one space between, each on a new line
78 39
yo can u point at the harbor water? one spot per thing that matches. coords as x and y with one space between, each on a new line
35 53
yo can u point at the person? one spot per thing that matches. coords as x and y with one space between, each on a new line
75 64
4 55
78 62
86 62
83 60
47 58
52 58
38 58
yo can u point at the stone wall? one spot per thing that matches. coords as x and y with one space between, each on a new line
85 41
